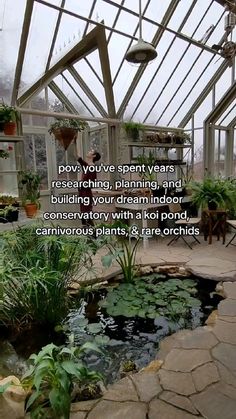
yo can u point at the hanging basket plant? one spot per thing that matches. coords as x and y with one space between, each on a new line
66 130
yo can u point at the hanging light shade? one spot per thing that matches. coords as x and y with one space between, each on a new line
141 52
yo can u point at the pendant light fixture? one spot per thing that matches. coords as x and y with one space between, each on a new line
142 52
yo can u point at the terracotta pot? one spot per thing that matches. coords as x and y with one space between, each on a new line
65 136
31 210
10 128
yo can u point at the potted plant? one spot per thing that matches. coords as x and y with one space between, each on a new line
30 191
132 129
182 138
9 208
214 193
9 116
66 130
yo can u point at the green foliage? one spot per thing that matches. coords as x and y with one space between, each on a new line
4 212
8 113
75 124
8 199
52 376
132 129
35 274
222 192
149 160
29 185
124 253
144 298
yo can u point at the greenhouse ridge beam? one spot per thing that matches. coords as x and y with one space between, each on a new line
153 22
22 49
87 91
67 116
95 39
86 45
140 71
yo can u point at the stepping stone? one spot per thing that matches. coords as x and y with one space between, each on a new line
185 360
147 385
123 390
78 415
161 410
227 376
178 382
179 401
200 338
212 404
226 354
230 289
83 406
115 410
225 332
227 308
205 375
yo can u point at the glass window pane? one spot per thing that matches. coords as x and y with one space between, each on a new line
39 43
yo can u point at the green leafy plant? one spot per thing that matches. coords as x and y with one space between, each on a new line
8 200
9 113
218 191
132 129
7 210
36 272
124 253
29 186
128 366
75 124
147 161
145 298
55 372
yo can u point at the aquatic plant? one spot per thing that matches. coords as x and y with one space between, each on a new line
172 299
35 274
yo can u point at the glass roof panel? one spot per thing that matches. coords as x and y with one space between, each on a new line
203 111
91 80
213 14
223 84
39 42
156 10
191 88
180 12
69 34
10 33
83 103
227 115
117 54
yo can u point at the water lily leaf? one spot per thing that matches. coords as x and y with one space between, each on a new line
94 328
161 302
102 340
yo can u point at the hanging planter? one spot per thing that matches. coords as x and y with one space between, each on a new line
66 130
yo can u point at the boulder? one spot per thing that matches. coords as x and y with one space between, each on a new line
12 400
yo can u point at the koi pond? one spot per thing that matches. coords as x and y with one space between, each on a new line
126 320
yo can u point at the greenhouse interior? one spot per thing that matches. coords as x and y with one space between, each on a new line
117 209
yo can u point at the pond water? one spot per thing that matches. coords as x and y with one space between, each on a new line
136 338
122 338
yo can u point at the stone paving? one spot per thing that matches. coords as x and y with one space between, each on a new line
214 261
194 376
